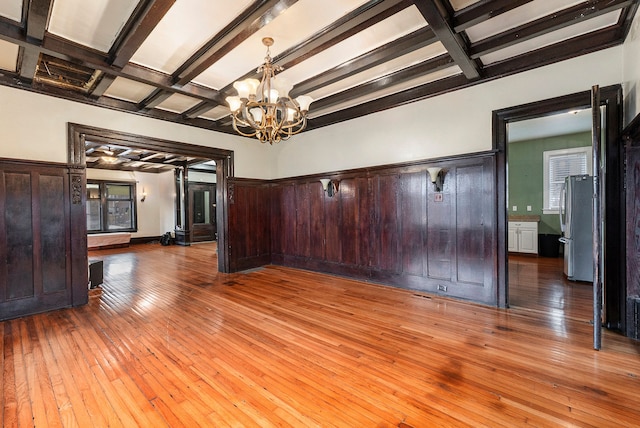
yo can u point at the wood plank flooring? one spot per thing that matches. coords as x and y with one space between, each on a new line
171 342
538 283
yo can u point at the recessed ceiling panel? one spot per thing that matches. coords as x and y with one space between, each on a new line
390 90
182 31
216 113
8 56
11 9
298 22
461 4
372 73
95 24
178 103
128 90
392 28
566 33
518 16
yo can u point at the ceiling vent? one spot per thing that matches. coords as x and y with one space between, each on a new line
66 75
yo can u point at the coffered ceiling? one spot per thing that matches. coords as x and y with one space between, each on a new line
177 59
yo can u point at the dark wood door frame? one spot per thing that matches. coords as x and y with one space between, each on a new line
614 245
77 134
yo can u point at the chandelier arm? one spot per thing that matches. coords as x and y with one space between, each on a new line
244 134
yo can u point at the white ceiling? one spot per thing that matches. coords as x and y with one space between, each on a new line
312 38
550 126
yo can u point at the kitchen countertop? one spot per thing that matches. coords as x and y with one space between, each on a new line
524 218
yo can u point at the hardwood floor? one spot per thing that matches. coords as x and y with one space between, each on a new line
171 342
538 284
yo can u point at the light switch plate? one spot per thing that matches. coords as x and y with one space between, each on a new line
528 207
515 208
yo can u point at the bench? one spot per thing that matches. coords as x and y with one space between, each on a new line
108 240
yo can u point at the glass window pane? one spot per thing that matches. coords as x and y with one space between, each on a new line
94 215
118 191
120 215
93 191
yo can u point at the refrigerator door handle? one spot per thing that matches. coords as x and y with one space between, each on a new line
561 209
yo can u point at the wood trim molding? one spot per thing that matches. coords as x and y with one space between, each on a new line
615 263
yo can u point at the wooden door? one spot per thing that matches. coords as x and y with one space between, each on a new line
202 212
35 269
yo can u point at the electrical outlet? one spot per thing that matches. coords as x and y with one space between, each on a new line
442 288
528 207
515 208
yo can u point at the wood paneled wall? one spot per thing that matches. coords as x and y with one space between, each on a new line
249 224
38 261
384 224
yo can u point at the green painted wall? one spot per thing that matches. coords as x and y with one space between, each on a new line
525 167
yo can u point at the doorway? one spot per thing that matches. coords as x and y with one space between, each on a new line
613 175
202 221
540 153
224 170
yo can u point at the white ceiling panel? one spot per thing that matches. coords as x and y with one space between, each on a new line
298 22
181 32
461 4
421 80
518 16
392 28
94 23
566 33
11 9
372 73
178 103
216 113
128 90
8 55
550 126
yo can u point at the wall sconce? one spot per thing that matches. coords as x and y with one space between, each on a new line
144 195
437 177
329 186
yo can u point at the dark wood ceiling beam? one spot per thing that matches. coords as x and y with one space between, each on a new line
571 48
354 22
405 97
154 99
426 67
143 20
568 49
402 46
482 11
37 16
558 20
358 20
197 110
435 13
59 48
102 86
249 22
28 62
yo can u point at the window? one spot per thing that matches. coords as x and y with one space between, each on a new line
558 164
111 206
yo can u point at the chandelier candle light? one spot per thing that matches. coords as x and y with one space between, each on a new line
265 107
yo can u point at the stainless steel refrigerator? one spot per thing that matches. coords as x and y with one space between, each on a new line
576 204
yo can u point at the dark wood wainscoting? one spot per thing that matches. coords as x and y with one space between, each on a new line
390 226
36 215
632 184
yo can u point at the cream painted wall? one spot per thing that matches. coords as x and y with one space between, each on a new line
631 71
34 126
156 214
454 123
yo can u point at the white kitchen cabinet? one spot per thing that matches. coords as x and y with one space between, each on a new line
523 237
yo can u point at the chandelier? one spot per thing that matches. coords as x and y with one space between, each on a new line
263 109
